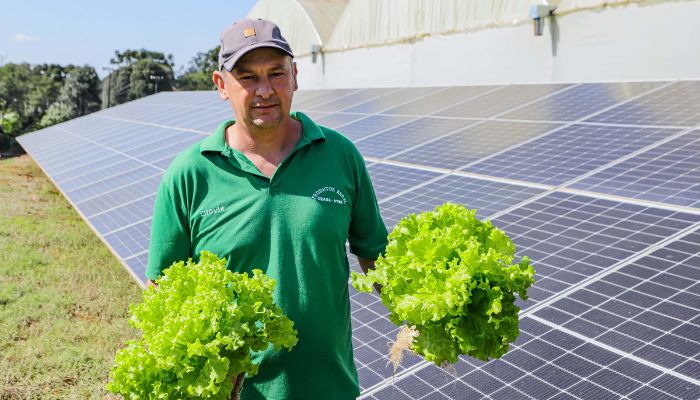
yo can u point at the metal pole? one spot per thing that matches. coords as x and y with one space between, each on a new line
109 89
109 85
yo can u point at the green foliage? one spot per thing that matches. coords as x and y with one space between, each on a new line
138 73
198 75
199 328
28 92
15 85
451 276
78 96
129 57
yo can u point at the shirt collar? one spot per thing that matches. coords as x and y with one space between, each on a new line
217 140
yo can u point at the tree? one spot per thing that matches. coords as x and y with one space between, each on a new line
28 92
139 73
198 75
14 88
78 96
25 94
148 77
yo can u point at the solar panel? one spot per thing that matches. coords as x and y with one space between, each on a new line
131 240
120 178
502 100
408 135
127 214
137 263
389 180
545 363
372 125
351 100
487 197
474 143
119 195
391 100
573 238
608 209
327 96
569 153
668 173
674 105
306 95
440 100
372 332
152 154
334 120
644 308
580 101
316 115
72 170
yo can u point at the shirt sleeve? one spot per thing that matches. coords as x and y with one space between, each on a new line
170 237
368 234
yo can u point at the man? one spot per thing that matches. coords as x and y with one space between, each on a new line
275 191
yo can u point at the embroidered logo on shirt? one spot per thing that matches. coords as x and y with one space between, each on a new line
211 211
329 194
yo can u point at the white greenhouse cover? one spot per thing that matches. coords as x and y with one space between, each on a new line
303 22
368 23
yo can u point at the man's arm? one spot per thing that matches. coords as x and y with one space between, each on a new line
170 238
366 264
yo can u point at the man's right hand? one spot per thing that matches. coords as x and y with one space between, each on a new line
150 283
237 386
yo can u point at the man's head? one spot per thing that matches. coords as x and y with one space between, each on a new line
257 75
246 35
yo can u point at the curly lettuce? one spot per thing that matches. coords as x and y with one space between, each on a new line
451 278
199 328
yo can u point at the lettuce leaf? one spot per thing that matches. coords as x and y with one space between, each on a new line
451 276
198 330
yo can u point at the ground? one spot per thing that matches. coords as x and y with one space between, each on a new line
63 296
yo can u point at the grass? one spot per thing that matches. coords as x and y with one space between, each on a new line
63 296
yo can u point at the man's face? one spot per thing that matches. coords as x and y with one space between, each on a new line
260 88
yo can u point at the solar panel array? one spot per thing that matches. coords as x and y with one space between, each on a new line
598 183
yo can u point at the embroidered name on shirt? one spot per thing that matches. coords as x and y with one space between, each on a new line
211 211
329 194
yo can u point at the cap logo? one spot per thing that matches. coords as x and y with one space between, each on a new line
248 32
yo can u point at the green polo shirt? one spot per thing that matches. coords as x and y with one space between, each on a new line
294 227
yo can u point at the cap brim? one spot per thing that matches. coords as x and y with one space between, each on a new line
231 62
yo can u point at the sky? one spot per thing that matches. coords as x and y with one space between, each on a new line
90 31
